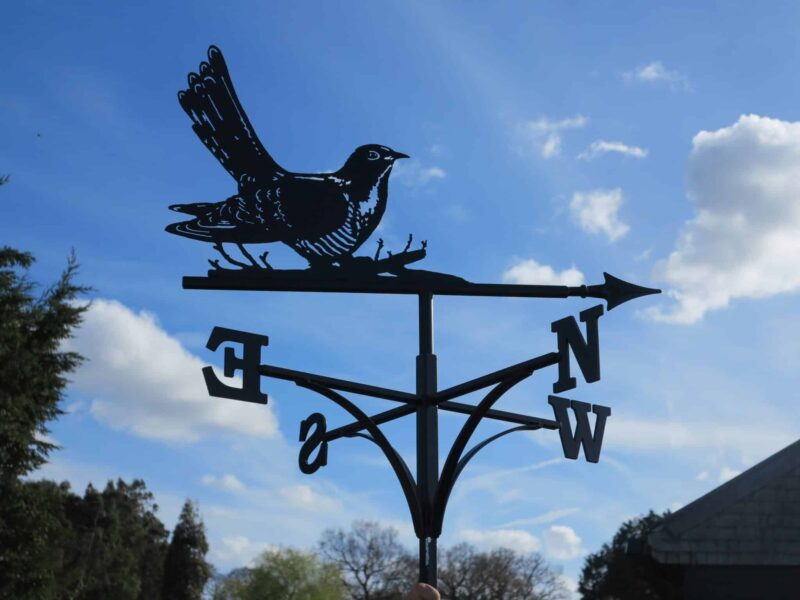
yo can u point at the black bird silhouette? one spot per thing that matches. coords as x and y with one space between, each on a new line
324 217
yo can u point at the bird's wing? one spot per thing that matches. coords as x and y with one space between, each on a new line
232 220
221 123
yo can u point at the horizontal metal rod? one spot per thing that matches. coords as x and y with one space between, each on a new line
441 399
339 384
614 291
384 417
501 415
426 281
545 360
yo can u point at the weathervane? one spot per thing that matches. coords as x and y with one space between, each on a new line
326 218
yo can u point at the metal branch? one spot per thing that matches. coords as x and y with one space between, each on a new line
465 409
528 366
339 384
395 460
501 415
450 471
384 417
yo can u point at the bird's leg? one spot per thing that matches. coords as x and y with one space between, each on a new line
408 243
380 247
263 258
248 256
218 247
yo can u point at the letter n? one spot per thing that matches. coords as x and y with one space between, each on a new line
583 436
586 351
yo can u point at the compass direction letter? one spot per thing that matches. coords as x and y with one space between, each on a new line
249 365
317 438
586 351
583 436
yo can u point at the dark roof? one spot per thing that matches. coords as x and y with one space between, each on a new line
753 519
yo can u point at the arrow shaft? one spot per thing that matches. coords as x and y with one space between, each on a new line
387 285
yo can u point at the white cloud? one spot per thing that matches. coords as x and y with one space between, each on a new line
597 211
655 72
532 273
516 539
227 482
545 134
599 147
548 517
562 543
143 380
697 435
413 173
701 476
551 146
304 496
493 482
78 474
727 473
744 239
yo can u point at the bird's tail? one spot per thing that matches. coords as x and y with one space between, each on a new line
220 121
190 229
197 209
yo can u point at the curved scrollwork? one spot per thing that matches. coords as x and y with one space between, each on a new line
395 460
451 469
478 447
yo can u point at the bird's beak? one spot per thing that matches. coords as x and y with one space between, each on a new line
397 155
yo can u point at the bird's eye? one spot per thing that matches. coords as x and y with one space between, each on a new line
373 155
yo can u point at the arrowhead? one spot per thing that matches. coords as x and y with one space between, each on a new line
616 291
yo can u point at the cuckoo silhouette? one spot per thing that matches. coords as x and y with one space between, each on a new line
324 217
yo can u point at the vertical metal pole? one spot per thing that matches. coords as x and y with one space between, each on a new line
427 439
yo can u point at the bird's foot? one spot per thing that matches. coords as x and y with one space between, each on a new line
253 264
243 266
236 263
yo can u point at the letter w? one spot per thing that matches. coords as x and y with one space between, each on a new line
571 443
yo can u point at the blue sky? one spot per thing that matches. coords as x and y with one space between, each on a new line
657 141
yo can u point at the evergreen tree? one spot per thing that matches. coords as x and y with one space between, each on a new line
33 372
117 544
33 368
185 568
616 572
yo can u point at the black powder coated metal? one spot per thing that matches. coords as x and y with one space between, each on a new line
326 218
428 493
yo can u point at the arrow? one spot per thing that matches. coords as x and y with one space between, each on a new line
614 291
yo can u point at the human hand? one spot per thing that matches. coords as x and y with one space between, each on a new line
423 591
